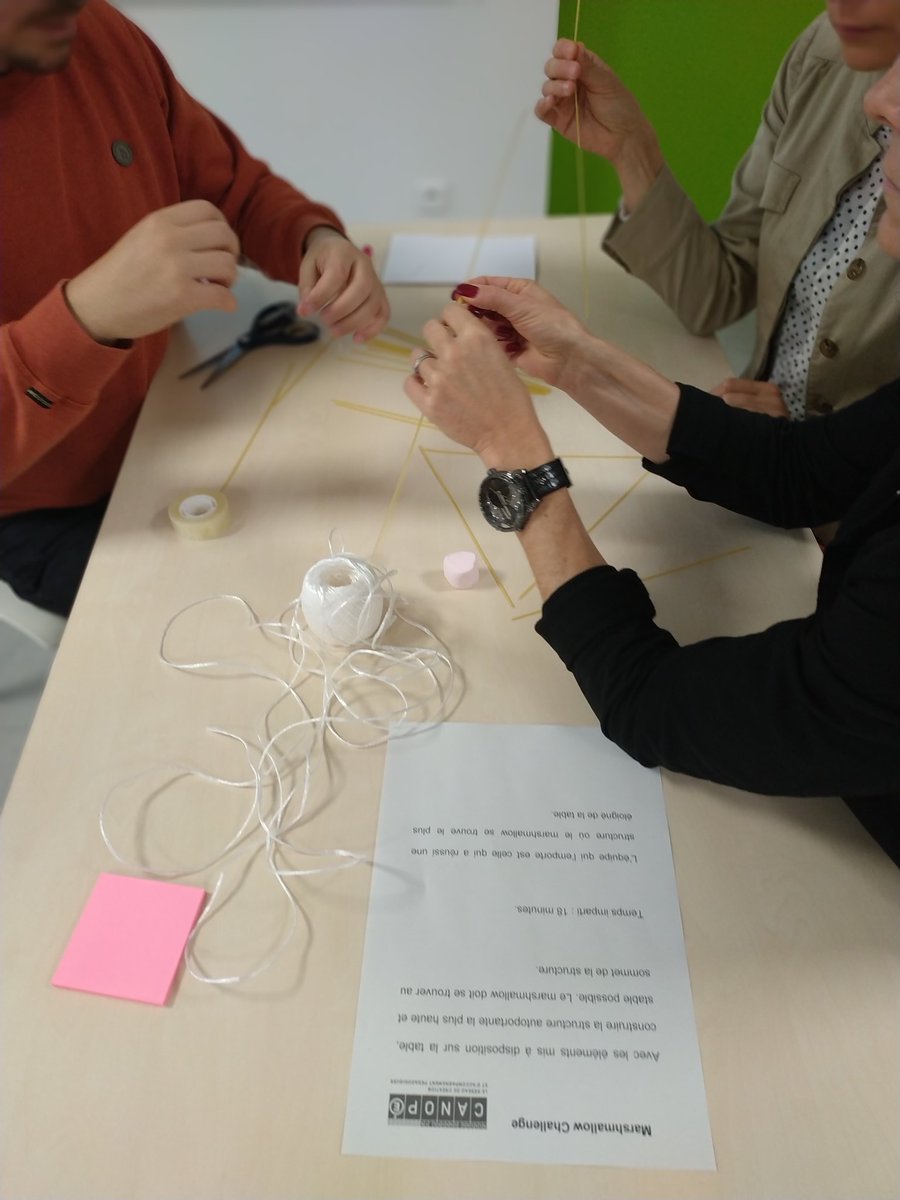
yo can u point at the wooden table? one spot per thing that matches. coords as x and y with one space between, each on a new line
789 910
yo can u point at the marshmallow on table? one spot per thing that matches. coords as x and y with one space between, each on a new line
461 569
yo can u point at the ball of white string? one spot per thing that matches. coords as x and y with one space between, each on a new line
344 600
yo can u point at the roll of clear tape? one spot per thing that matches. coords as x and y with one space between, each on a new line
200 516
342 600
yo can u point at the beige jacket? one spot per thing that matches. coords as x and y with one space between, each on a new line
813 141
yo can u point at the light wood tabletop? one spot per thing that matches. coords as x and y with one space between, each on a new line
238 1093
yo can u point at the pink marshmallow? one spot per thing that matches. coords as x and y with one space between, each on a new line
461 569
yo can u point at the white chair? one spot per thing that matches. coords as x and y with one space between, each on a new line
43 627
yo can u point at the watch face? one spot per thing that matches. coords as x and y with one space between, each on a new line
503 502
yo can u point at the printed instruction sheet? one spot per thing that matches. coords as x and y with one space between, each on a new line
525 995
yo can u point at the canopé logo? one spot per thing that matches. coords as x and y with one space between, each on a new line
450 1112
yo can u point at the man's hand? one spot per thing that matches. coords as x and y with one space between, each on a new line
610 118
756 395
338 284
173 262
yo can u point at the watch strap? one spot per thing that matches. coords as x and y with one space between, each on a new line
547 478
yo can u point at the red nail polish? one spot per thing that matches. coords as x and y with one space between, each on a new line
465 289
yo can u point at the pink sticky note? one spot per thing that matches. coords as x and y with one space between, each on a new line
130 938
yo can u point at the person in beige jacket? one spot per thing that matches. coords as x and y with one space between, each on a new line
796 239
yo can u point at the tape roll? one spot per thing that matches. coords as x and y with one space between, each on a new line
200 515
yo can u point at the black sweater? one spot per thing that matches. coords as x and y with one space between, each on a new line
808 707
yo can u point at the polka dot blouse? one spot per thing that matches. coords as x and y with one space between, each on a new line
837 246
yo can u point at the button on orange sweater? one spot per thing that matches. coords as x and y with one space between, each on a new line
68 193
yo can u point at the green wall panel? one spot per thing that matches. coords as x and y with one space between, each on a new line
701 70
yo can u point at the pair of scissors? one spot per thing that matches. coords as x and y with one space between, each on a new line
275 325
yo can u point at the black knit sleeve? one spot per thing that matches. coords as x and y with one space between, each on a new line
782 472
807 707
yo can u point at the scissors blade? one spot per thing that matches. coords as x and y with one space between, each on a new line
226 360
200 366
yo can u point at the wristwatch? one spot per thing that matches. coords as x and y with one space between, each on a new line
508 498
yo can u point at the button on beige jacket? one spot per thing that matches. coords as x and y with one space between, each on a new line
813 141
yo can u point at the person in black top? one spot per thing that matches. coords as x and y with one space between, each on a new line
814 704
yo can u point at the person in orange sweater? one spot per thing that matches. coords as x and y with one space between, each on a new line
125 207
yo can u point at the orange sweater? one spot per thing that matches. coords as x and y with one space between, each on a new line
64 200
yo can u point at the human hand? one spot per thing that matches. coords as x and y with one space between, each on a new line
173 262
756 395
610 120
338 283
467 387
610 117
539 334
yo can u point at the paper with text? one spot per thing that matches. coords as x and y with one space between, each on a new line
447 258
525 994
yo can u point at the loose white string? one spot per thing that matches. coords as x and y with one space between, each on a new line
369 690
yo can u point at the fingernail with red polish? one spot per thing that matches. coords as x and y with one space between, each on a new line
506 333
465 289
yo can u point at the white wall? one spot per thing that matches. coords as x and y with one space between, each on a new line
359 102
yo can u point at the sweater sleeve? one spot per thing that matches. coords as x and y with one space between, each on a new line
51 376
808 707
707 273
270 216
786 473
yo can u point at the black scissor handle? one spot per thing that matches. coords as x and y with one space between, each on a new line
274 318
279 324
275 325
